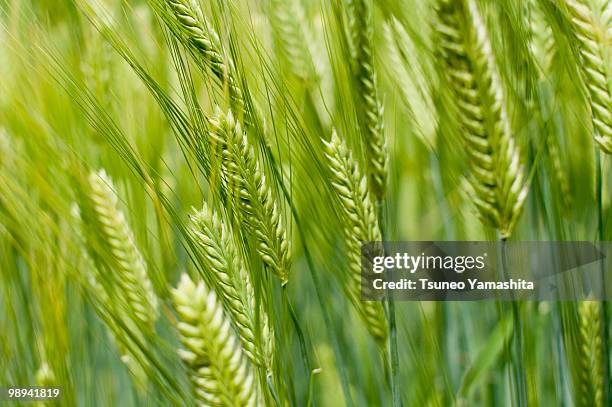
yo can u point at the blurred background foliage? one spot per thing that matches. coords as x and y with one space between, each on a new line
90 84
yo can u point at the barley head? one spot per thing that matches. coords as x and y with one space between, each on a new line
246 183
202 37
361 226
369 105
229 277
221 375
128 262
591 354
498 178
287 20
594 40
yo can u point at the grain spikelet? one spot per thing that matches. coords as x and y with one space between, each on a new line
542 40
593 34
371 110
100 293
544 49
361 225
201 36
498 179
246 183
591 355
129 265
221 375
289 25
410 78
230 278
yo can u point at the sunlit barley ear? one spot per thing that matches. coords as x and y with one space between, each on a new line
248 188
200 34
592 22
129 266
369 105
220 373
591 361
361 226
498 178
230 279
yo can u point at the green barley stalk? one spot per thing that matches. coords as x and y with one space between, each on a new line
592 24
498 177
361 226
591 362
247 185
369 104
128 263
205 42
231 280
220 373
592 34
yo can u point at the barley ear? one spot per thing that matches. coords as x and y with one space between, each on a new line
369 104
246 184
201 36
498 177
220 374
128 263
591 355
230 278
593 35
543 47
361 226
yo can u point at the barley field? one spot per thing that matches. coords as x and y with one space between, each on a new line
186 185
